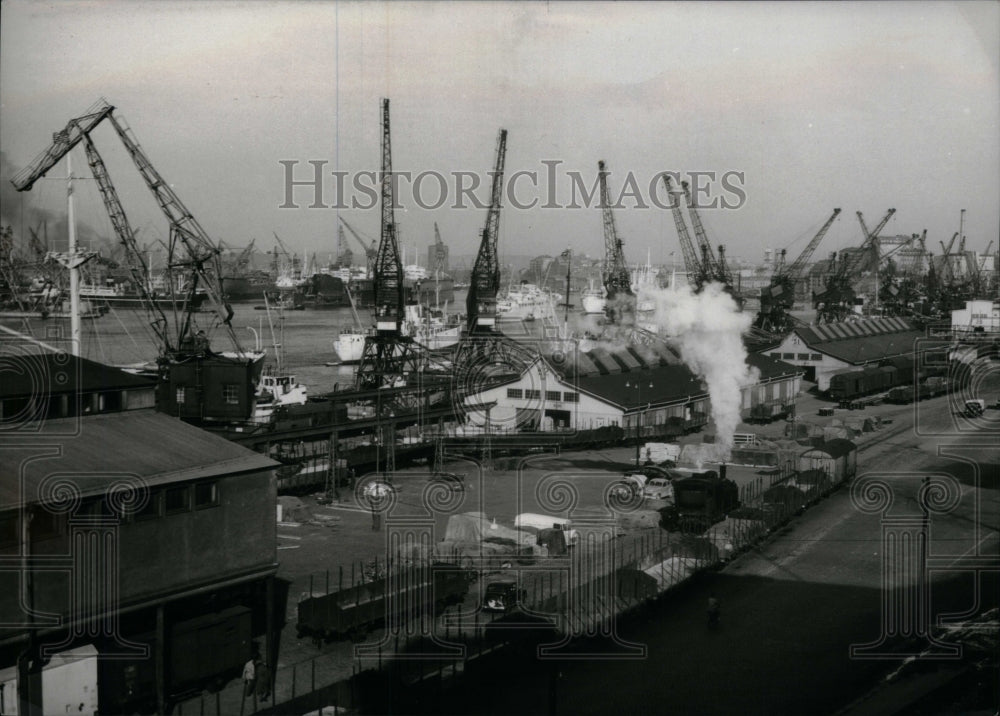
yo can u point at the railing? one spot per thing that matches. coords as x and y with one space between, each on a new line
639 568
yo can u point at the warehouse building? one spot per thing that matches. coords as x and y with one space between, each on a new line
142 545
822 350
644 388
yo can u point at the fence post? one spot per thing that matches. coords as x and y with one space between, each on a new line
293 681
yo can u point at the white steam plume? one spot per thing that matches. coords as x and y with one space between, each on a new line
707 328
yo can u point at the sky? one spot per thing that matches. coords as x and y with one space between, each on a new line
862 106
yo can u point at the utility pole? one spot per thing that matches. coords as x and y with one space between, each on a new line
74 269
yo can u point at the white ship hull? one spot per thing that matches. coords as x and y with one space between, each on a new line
349 346
593 303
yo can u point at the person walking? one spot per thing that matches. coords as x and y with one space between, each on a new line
262 673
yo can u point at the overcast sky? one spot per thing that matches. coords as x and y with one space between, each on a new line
863 106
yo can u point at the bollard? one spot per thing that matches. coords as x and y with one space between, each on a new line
293 681
312 675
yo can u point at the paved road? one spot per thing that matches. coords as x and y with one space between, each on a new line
792 608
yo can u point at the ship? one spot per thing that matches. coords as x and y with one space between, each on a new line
527 302
248 287
593 300
350 345
124 296
326 290
431 328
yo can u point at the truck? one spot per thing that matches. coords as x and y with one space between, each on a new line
700 500
974 408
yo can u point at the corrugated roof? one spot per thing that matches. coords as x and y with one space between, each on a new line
54 373
155 447
862 341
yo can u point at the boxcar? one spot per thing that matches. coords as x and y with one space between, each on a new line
355 609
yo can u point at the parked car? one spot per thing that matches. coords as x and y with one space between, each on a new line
650 471
503 595
659 488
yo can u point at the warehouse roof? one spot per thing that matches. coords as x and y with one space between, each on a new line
862 341
663 380
147 445
44 373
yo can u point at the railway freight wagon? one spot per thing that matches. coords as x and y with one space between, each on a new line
352 611
202 652
899 372
838 459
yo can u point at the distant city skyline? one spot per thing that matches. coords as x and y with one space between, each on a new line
861 106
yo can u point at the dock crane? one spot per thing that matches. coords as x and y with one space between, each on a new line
295 263
440 253
371 251
389 358
615 274
778 297
699 270
186 363
481 301
344 254
837 300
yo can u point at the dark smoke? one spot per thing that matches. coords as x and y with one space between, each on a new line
20 211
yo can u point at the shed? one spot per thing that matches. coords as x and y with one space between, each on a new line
837 458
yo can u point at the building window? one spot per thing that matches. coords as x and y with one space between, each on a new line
178 499
231 393
817 356
803 356
788 356
180 395
533 394
552 395
151 509
776 355
571 397
516 393
206 494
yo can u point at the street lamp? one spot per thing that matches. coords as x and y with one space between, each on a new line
637 384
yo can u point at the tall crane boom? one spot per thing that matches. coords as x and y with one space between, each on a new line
126 236
440 252
794 271
700 235
482 297
692 263
868 258
388 277
62 142
616 275
202 254
371 251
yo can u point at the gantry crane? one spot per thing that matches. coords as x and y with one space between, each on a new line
777 298
481 301
615 273
389 358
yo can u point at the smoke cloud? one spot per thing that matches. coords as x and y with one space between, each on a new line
707 328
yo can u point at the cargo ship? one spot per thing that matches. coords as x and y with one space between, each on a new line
249 287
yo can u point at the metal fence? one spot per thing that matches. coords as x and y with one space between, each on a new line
599 581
